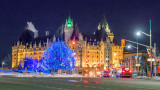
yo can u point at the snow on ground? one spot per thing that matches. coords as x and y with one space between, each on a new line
49 75
141 77
156 78
39 75
148 78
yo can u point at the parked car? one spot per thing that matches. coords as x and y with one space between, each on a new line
124 72
105 74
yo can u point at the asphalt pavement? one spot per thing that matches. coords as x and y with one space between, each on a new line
34 83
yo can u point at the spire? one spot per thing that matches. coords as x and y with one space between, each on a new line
35 45
69 22
54 38
103 23
18 43
21 43
107 28
30 46
39 44
99 26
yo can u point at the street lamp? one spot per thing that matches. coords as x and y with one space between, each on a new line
2 65
129 46
149 35
138 33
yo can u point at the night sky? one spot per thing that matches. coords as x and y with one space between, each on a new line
125 17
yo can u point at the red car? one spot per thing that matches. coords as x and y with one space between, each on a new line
124 72
105 74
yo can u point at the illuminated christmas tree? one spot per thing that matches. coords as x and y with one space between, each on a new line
58 56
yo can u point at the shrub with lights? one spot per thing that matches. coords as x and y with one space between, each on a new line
56 56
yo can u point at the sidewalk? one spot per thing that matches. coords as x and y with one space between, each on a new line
148 78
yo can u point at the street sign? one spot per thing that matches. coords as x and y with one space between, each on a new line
138 65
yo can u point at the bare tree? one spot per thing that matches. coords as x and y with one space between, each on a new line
8 61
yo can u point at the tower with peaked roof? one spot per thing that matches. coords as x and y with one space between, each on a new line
68 29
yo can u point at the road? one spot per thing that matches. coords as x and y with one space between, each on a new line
21 83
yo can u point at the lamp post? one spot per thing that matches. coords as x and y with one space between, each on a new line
2 65
149 35
137 54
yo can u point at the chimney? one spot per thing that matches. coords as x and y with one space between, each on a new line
47 33
35 34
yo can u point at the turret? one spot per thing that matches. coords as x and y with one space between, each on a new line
99 26
107 28
30 46
18 43
39 45
54 38
35 45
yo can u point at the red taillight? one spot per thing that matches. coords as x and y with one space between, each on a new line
130 71
123 71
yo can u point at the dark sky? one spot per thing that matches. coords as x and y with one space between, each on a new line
125 17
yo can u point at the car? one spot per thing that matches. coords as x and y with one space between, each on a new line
105 74
124 72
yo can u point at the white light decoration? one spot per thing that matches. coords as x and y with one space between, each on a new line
150 59
115 54
107 59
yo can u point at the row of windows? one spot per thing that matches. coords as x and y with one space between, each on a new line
92 56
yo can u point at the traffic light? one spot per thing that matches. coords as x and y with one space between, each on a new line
73 42
123 42
149 52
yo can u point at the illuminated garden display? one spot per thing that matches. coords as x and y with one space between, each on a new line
56 56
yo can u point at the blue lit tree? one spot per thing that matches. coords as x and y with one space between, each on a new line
58 56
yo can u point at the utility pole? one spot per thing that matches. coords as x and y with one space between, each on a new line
137 62
155 71
107 57
150 49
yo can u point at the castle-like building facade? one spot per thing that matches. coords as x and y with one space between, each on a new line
95 51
